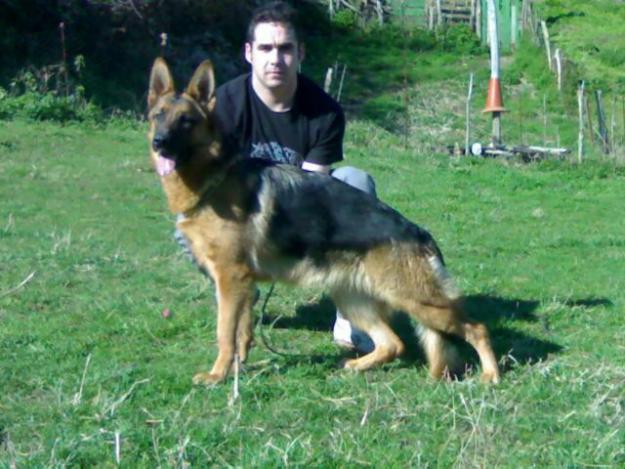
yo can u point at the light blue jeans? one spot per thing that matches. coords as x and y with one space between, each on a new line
356 178
360 180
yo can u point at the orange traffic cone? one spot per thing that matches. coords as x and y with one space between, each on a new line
494 103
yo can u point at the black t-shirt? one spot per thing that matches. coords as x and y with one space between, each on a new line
312 130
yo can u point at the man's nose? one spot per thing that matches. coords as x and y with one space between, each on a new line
275 55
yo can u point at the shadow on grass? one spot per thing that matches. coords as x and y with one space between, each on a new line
588 303
312 316
493 311
518 346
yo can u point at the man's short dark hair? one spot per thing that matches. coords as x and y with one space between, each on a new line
273 12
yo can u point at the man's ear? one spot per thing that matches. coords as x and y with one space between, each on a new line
161 82
301 52
248 52
202 84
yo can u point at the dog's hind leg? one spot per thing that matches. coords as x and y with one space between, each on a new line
450 319
370 316
235 295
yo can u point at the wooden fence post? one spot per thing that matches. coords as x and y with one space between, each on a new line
327 84
623 112
513 25
559 68
478 19
603 131
580 135
525 15
64 69
544 119
430 9
468 117
543 25
379 11
338 94
591 127
612 125
439 14
473 24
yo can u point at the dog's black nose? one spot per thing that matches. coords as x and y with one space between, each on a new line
158 142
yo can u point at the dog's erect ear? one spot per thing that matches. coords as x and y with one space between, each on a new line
202 84
161 82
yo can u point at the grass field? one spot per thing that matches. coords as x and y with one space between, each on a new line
91 372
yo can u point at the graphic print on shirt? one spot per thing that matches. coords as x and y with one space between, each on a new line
275 152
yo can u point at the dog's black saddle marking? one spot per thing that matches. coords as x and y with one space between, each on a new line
315 213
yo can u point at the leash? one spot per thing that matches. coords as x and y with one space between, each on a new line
259 324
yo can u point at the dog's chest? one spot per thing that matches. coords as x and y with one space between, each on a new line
212 241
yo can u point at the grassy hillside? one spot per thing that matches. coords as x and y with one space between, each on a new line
591 35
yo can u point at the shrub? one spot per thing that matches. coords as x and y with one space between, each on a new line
345 19
47 93
48 106
461 39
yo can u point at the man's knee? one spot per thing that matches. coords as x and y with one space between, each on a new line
356 178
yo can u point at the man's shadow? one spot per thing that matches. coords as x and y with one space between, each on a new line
493 311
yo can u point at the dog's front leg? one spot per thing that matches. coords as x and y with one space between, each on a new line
245 330
235 294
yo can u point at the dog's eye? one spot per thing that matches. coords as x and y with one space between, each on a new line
187 122
157 114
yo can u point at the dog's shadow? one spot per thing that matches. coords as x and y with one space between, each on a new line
493 311
314 316
520 347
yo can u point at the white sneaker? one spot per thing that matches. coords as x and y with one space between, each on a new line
342 332
348 337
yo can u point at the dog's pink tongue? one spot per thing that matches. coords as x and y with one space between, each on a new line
164 166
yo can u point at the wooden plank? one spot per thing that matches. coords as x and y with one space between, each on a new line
455 9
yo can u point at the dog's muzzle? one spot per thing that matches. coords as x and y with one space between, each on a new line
163 147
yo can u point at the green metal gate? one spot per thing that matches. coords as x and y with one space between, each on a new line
414 13
508 20
409 12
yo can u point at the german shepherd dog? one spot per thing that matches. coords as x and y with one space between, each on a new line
247 220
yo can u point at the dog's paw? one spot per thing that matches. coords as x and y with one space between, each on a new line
207 379
244 350
348 364
490 377
354 364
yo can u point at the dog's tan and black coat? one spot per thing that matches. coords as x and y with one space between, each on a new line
248 220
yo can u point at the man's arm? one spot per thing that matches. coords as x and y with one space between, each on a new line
328 146
317 168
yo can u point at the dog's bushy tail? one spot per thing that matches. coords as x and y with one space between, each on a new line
438 347
445 280
440 352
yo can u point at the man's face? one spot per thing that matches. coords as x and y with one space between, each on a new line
275 55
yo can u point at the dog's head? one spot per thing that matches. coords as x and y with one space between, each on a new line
180 123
